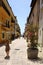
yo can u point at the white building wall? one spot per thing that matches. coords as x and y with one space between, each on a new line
40 32
40 36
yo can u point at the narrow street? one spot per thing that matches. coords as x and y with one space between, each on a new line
18 54
18 19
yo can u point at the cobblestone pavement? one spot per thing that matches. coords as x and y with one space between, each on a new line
18 54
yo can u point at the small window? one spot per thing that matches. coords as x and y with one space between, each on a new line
7 24
2 35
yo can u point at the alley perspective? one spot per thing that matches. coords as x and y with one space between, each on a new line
21 32
18 54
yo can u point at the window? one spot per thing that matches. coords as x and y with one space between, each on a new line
33 14
2 35
7 24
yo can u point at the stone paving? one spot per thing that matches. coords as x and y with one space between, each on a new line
18 54
2 55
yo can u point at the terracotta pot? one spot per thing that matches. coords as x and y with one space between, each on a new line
32 53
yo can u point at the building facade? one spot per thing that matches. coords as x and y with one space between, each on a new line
7 21
33 17
40 33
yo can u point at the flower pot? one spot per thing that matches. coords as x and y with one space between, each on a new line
32 53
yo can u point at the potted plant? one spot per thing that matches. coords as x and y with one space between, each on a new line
32 51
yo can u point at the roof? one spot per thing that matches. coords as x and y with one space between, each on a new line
33 3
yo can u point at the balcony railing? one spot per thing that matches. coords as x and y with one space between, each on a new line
5 25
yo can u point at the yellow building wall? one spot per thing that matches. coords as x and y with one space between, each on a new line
3 17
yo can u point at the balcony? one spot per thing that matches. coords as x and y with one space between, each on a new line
3 26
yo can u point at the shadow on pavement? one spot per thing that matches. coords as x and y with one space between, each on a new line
17 49
38 60
2 45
